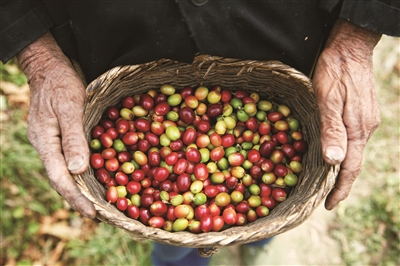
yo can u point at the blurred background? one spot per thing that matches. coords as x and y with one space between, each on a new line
39 228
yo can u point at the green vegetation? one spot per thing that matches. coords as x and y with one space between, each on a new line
369 233
11 73
109 246
37 226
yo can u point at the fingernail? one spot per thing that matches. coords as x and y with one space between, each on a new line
335 154
332 207
75 163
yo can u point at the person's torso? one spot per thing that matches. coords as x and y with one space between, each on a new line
101 35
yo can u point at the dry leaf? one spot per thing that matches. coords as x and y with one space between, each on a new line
4 117
47 220
10 261
61 214
16 96
9 87
56 253
60 230
33 252
20 101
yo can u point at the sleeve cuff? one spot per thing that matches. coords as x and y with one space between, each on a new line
373 15
22 31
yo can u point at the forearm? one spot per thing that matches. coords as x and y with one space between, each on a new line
349 40
40 56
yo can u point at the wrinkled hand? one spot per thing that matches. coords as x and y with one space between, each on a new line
55 121
344 87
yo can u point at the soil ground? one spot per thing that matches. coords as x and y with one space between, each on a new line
307 244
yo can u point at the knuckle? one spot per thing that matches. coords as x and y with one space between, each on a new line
342 192
342 195
343 184
348 177
72 139
73 145
33 136
56 186
376 121
67 191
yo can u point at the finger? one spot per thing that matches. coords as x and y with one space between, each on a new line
359 130
63 183
350 170
43 133
74 144
333 131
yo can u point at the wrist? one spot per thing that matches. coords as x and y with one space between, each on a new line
41 56
351 39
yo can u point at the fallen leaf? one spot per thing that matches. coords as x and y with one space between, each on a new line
61 214
20 101
60 230
16 96
12 68
4 116
56 253
33 252
46 221
10 261
10 87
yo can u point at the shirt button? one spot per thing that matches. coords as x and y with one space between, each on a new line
199 2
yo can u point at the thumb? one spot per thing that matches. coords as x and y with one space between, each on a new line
74 144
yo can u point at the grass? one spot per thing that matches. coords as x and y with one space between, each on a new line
37 226
23 185
33 231
109 246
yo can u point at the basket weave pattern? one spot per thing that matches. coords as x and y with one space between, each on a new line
272 80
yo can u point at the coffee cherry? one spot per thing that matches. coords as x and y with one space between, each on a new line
291 180
112 194
132 211
231 155
96 160
229 216
222 199
156 222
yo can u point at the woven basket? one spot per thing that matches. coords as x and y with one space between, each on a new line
272 80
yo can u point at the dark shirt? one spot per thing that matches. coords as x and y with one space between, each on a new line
103 34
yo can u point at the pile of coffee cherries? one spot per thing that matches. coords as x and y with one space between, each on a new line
197 159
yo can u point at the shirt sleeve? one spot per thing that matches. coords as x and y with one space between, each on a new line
382 16
22 22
